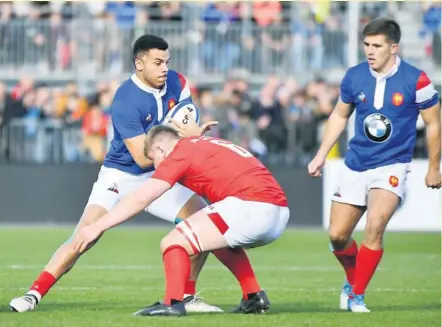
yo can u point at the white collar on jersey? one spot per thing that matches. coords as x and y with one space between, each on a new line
148 89
392 71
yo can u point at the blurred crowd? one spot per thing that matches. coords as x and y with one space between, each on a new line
281 122
291 46
214 37
282 117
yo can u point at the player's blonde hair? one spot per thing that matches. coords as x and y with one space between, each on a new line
157 132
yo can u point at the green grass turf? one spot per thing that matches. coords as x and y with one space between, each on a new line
124 273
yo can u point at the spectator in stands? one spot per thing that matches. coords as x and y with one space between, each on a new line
432 24
275 39
94 129
220 47
271 123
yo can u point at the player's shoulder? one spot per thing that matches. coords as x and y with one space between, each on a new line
356 74
184 148
413 75
126 90
173 74
361 68
176 78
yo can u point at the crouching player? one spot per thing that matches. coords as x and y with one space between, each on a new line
249 209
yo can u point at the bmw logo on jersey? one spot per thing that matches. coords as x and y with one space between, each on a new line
377 128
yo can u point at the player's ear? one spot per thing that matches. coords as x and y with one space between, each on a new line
139 65
394 48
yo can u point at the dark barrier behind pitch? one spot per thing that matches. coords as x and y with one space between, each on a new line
44 194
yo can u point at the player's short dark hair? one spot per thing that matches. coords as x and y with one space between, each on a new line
148 42
383 26
156 132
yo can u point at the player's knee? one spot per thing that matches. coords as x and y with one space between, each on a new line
338 239
175 239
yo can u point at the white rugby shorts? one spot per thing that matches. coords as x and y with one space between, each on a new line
248 224
113 184
354 186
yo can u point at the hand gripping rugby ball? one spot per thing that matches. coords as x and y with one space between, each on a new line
180 114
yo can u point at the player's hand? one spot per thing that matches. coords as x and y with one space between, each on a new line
191 128
315 166
85 237
433 178
207 126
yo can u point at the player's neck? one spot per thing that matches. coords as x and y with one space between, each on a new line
388 66
146 83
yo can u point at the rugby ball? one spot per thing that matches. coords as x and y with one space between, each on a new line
179 113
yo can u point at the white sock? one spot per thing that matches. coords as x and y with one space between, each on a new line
36 294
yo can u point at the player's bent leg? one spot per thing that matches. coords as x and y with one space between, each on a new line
343 219
176 261
238 223
176 205
65 257
192 301
193 205
60 263
381 207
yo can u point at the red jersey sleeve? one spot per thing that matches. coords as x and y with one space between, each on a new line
173 168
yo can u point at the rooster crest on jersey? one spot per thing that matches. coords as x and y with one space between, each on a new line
171 104
397 99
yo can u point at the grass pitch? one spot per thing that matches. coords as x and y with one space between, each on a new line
302 278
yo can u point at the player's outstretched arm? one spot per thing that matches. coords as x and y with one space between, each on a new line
128 207
334 127
432 119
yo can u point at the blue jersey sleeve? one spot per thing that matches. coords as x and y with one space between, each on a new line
346 90
126 119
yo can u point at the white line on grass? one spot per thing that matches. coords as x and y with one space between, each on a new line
224 288
213 267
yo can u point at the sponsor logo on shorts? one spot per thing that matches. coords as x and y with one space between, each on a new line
113 188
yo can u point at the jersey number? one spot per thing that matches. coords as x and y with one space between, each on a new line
235 148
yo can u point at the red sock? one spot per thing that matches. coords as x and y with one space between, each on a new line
347 258
43 283
177 271
190 287
238 263
366 265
